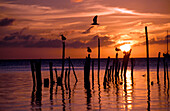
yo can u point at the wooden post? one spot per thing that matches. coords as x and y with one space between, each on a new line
132 70
148 77
38 74
116 65
98 58
92 71
167 73
87 73
63 60
158 68
107 65
66 79
113 70
122 67
32 70
73 71
69 66
164 71
118 70
51 72
56 73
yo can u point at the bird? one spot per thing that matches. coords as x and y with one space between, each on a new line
117 49
88 49
62 37
95 21
144 75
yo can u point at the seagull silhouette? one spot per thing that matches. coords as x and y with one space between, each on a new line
117 49
95 21
62 37
88 49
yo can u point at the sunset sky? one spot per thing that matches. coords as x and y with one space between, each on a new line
31 29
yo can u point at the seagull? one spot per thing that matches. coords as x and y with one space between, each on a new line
62 37
117 49
95 21
88 49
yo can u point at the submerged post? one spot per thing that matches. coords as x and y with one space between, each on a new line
98 58
132 70
38 74
73 71
33 74
56 73
167 73
51 72
113 65
92 71
158 68
147 52
164 71
148 78
116 67
63 60
106 70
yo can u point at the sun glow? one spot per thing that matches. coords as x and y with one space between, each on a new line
125 47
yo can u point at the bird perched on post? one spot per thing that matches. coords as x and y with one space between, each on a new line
62 37
88 49
117 49
95 21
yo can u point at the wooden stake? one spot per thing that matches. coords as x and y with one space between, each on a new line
107 65
158 68
164 71
113 70
38 74
56 73
63 60
51 72
92 71
98 58
116 65
73 71
33 69
132 70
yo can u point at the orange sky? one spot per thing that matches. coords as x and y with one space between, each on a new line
32 29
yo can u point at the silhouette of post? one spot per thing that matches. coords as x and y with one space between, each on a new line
98 58
33 74
106 70
66 79
164 71
132 70
63 60
148 77
38 74
158 68
167 73
87 72
56 73
73 71
51 72
116 67
122 68
113 66
92 71
69 67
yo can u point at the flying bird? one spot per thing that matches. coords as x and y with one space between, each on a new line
95 21
62 37
88 49
117 49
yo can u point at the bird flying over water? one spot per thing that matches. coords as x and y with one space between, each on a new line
95 21
62 37
88 49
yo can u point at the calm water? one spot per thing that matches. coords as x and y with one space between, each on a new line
17 92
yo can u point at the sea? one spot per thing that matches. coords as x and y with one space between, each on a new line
18 94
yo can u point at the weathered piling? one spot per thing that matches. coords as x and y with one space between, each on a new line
164 71
51 72
122 68
147 52
33 74
73 71
167 73
46 82
116 67
63 60
113 65
118 70
126 59
87 72
98 58
92 71
158 67
106 70
69 65
66 77
148 77
132 65
38 74
56 73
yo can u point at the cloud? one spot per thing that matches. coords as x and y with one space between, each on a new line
6 21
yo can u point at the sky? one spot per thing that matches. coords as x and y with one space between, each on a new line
31 29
